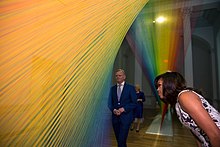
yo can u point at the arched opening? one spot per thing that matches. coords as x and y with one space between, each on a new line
202 66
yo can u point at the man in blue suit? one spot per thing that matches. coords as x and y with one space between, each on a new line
122 101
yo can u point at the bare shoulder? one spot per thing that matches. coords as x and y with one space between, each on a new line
189 101
188 95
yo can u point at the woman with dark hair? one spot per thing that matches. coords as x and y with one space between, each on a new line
192 109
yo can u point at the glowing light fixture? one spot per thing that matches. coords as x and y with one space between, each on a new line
160 19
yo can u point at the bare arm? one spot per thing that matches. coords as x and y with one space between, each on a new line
191 103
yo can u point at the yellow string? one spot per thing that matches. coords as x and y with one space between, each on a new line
54 55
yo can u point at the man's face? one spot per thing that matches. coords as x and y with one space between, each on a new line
120 77
160 88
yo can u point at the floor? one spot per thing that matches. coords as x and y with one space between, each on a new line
172 134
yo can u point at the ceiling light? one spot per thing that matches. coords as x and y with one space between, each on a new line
160 19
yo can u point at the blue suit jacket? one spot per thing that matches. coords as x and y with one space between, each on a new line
128 101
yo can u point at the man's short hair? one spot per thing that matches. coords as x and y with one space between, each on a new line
120 70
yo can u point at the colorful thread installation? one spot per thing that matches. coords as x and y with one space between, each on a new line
158 47
56 61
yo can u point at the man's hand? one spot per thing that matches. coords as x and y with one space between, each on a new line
121 110
116 112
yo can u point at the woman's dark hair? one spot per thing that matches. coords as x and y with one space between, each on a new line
173 83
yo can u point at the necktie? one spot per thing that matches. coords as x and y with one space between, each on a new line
119 92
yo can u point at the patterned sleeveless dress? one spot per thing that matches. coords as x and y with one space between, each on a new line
188 122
